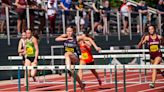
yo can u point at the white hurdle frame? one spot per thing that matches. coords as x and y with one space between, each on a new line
107 54
50 67
11 58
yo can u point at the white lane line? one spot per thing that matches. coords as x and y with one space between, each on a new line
127 86
105 84
90 80
43 83
152 89
101 74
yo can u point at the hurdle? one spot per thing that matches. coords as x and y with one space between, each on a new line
26 68
140 52
126 51
11 58
105 54
115 67
53 48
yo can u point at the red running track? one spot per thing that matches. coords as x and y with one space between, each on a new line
88 77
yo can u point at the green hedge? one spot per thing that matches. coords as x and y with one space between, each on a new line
117 3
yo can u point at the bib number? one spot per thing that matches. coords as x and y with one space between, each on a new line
69 49
30 51
84 55
154 48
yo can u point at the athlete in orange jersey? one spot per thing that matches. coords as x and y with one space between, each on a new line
87 58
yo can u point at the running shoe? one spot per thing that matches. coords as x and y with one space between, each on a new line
162 73
83 87
100 83
69 73
151 85
34 79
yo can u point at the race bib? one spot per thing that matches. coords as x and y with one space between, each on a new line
29 51
67 49
84 56
154 48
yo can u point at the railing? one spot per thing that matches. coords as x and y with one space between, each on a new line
114 15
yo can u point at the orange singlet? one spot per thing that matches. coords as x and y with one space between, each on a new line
86 54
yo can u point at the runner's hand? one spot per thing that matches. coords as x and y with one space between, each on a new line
35 61
98 49
69 38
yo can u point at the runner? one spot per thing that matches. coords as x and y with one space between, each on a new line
154 42
72 51
32 52
22 47
86 57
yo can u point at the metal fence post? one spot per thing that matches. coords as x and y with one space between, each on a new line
63 20
130 26
92 23
159 22
28 17
47 28
118 26
78 21
7 25
140 24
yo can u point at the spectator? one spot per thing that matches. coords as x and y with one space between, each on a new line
22 47
142 8
96 8
106 17
33 6
82 14
123 3
125 10
52 11
3 15
73 4
160 10
21 5
66 5
41 15
73 13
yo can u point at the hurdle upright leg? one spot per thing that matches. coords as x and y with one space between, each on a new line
105 80
66 79
140 72
74 77
11 75
44 74
116 86
124 73
19 80
110 62
145 72
27 86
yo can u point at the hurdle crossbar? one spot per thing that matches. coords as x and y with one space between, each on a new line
126 51
95 56
49 67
